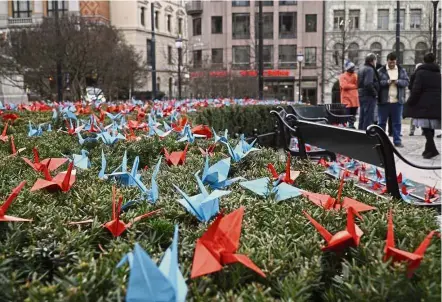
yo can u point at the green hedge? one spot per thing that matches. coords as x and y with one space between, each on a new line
48 260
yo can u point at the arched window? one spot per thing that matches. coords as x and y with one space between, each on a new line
337 54
376 48
353 53
400 55
170 88
420 50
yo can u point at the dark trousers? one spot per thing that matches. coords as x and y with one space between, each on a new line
395 111
366 112
390 126
352 111
430 146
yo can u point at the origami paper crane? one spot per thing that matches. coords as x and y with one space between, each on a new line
101 174
62 182
218 246
124 177
4 207
34 132
431 194
131 136
223 139
238 153
71 130
163 283
414 259
180 124
161 133
177 157
9 117
260 186
288 177
110 138
14 150
246 147
113 117
82 160
87 140
216 175
146 194
404 181
204 205
189 136
350 237
202 130
3 136
50 163
210 151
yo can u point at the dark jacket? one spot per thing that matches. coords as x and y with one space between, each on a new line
368 81
425 98
412 77
402 84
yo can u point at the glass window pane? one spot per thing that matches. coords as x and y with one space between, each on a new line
241 56
267 26
310 56
196 24
240 3
281 2
217 25
383 18
338 19
287 55
287 25
415 18
240 26
217 55
310 23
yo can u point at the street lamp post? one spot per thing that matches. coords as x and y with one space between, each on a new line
300 58
179 46
435 3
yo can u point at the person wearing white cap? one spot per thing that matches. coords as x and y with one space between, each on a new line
348 82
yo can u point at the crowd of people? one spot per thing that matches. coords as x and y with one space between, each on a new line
379 92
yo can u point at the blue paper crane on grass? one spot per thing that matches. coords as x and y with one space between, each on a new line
188 135
147 282
216 175
241 150
263 187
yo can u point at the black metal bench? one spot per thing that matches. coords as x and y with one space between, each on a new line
328 114
372 147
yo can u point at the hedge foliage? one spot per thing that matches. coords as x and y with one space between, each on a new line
48 260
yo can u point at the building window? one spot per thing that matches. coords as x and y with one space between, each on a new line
415 18
353 53
217 25
338 51
196 25
310 56
338 19
376 48
383 19
267 56
197 58
240 26
240 3
149 52
241 56
142 16
169 23
287 2
400 55
401 16
62 7
180 26
169 54
21 9
287 25
420 51
354 18
310 23
217 55
287 56
264 3
157 20
267 26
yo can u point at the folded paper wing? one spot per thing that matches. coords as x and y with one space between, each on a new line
176 158
216 175
4 207
62 182
260 187
52 164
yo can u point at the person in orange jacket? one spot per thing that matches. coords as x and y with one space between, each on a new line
348 82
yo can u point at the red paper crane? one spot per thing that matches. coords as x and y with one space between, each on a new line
350 237
176 158
289 176
218 246
431 194
202 130
399 178
9 117
62 182
131 137
117 226
14 150
51 163
4 207
4 137
209 151
324 163
414 259
329 203
179 126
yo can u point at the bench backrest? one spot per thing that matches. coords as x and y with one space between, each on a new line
338 109
349 142
309 111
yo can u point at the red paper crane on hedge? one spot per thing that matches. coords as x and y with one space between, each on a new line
414 259
177 157
4 207
218 246
288 177
14 150
51 163
350 237
329 203
62 182
210 151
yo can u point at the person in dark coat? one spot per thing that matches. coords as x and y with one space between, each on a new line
368 90
410 87
425 102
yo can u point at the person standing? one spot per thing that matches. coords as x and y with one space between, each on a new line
410 87
393 81
425 102
368 90
348 82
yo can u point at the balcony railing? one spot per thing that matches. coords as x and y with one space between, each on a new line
19 21
194 7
